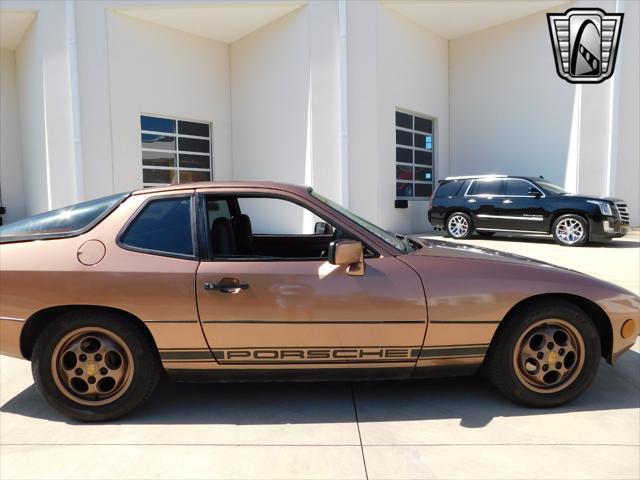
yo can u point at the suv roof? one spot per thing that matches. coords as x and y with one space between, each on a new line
473 177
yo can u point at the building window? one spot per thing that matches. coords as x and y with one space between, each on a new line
174 151
414 156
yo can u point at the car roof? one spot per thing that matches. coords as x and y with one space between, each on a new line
492 177
258 185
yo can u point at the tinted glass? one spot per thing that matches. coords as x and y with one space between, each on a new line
423 174
159 159
424 125
194 161
163 226
404 189
403 138
152 175
194 176
217 209
193 128
404 173
156 124
420 140
449 189
486 187
194 145
404 155
64 220
517 187
424 189
403 120
424 158
150 140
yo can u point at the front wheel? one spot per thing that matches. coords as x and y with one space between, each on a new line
545 356
570 230
459 225
94 366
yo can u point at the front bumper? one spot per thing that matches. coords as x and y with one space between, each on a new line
607 228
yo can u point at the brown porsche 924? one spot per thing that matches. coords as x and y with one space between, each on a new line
245 281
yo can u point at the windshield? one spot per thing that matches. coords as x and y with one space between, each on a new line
388 237
550 187
62 221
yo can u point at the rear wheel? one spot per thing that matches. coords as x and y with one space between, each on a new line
546 355
94 366
459 225
570 230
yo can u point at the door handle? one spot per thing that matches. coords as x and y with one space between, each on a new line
227 285
507 201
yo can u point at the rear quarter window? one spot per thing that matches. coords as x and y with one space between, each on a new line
451 189
63 221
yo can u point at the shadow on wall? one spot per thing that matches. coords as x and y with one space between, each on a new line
470 399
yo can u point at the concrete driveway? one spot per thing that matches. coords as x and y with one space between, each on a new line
449 428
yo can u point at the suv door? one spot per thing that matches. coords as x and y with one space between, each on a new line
519 209
302 312
481 199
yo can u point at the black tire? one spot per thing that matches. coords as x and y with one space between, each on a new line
459 225
500 365
566 239
142 380
486 234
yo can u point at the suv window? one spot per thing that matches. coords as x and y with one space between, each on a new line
163 226
513 186
451 189
486 187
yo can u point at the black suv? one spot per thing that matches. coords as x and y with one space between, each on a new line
499 203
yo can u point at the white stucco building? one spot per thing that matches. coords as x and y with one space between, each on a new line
103 96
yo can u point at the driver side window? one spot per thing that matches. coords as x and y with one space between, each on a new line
267 228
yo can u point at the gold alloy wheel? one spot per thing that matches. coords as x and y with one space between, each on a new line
92 366
549 356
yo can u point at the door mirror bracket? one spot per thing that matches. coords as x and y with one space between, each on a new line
350 253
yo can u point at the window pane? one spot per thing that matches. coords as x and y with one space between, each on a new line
403 138
159 176
193 145
150 140
403 155
193 128
423 174
424 125
486 187
275 216
163 226
159 159
156 124
63 220
420 140
194 161
217 209
423 158
517 187
404 189
424 189
404 173
194 176
404 120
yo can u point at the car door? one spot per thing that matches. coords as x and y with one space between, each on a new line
519 209
272 310
481 199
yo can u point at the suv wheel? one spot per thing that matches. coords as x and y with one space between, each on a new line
94 366
459 225
570 230
546 355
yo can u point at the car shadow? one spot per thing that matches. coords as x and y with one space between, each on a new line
472 400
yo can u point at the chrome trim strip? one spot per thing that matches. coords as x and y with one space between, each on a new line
538 232
537 218
484 195
13 319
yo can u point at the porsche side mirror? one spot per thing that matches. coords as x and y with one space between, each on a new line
322 228
535 192
347 252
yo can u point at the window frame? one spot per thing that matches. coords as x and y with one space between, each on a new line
193 223
177 152
503 190
413 131
204 238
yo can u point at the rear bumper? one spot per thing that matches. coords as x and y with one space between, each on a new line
437 221
10 330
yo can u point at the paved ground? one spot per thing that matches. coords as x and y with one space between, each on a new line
450 428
